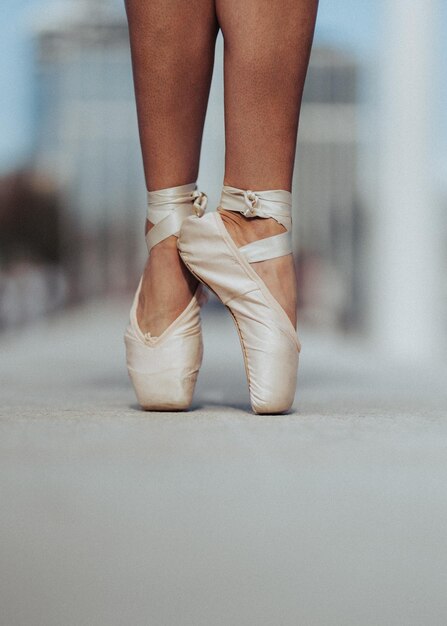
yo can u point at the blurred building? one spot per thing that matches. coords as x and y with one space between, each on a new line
327 215
87 140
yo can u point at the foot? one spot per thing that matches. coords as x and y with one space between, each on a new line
278 274
166 290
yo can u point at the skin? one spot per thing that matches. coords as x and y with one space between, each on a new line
267 48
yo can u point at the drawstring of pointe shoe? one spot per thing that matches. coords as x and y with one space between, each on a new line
276 204
167 208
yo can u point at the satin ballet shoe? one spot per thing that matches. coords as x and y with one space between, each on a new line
164 369
269 341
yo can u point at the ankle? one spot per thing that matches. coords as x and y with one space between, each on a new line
248 229
166 247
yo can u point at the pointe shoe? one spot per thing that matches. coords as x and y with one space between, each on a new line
269 341
164 369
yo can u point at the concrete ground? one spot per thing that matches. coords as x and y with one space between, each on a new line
334 515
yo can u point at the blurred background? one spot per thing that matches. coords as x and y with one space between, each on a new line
370 192
334 515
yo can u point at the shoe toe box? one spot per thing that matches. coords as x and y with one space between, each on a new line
162 391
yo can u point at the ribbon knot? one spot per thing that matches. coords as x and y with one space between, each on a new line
200 202
251 200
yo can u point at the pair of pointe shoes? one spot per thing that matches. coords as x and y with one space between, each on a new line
164 369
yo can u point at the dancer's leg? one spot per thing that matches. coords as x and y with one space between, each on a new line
267 47
172 46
